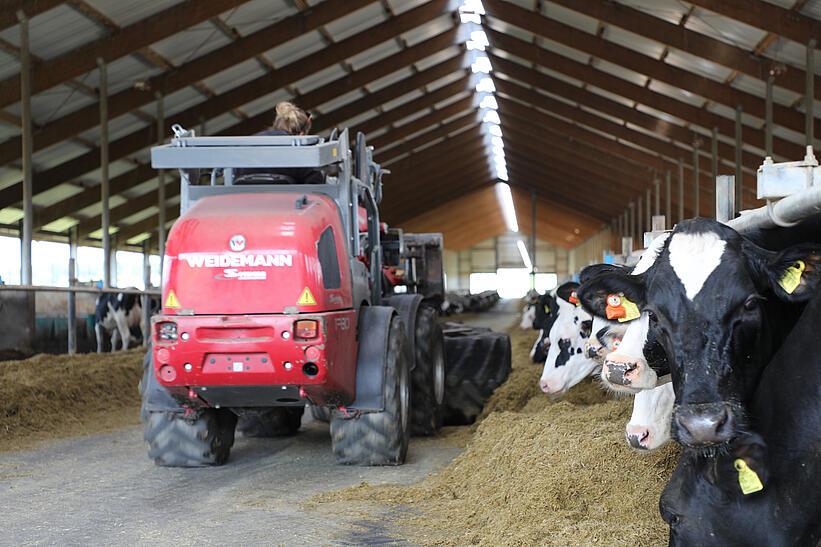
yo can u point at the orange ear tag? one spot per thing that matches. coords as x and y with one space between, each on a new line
573 299
614 309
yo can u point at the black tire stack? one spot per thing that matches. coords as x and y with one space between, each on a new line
478 360
427 377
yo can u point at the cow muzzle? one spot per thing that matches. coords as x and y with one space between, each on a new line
627 374
705 424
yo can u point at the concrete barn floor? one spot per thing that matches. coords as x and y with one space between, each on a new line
103 490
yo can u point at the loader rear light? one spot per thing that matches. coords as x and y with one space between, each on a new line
312 353
167 331
306 329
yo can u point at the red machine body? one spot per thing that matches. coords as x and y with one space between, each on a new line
257 303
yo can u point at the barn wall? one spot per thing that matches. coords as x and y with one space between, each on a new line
590 252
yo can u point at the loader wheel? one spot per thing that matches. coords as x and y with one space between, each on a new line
379 438
477 362
177 441
428 374
279 421
321 413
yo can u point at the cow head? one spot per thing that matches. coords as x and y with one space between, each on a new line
711 293
566 363
528 316
704 503
649 425
639 359
605 337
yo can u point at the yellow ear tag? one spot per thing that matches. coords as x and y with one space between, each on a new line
792 277
632 311
747 478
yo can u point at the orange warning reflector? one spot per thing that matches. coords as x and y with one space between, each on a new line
171 300
306 298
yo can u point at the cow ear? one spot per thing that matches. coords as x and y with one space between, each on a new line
795 272
565 290
747 467
593 294
589 272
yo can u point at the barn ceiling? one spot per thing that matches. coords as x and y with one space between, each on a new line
594 101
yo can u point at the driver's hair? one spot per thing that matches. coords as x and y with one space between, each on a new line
292 119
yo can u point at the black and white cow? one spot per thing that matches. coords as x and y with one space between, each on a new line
567 364
115 315
723 305
546 310
763 488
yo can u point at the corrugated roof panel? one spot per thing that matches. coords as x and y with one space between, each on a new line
750 122
620 71
601 114
10 215
791 53
391 78
401 6
452 99
234 76
266 102
374 54
415 94
191 44
758 88
677 93
790 135
661 115
515 81
356 22
122 74
57 154
437 58
445 80
501 26
570 17
118 127
612 96
179 100
323 77
8 131
257 14
9 175
55 32
811 9
697 65
416 115
9 66
561 98
561 49
54 103
55 195
340 101
60 225
127 13
669 10
725 29
558 75
625 38
294 49
149 186
428 30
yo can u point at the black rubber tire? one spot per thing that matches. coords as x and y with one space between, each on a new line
379 438
477 361
176 441
280 421
428 375
321 413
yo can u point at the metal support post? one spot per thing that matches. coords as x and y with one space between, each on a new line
657 208
809 95
161 182
146 304
533 239
202 127
725 198
714 153
26 149
696 189
112 258
640 223
768 116
71 315
632 232
104 183
648 214
739 174
680 189
668 205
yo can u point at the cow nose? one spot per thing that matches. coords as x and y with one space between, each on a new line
638 437
544 386
704 424
618 368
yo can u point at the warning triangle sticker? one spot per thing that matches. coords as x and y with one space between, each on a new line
171 300
306 298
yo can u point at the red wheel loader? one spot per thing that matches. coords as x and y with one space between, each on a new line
274 296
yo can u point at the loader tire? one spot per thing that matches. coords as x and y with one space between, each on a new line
477 361
178 441
379 438
428 375
321 413
279 421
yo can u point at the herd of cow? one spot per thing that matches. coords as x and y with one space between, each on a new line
713 332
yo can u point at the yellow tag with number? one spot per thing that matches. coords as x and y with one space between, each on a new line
631 310
747 478
792 277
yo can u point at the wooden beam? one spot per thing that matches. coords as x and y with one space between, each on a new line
628 58
690 41
766 16
235 97
634 92
110 48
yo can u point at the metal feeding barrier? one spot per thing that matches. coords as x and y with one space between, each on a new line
72 291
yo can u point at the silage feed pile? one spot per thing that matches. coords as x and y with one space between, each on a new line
537 472
53 396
